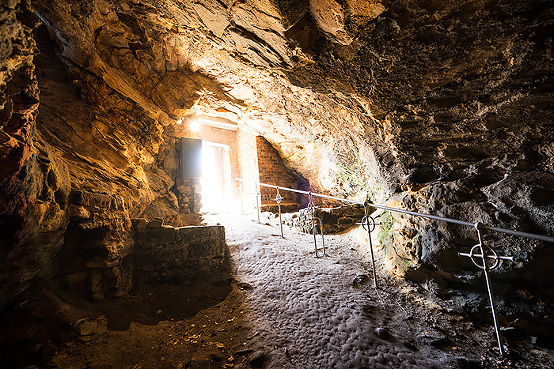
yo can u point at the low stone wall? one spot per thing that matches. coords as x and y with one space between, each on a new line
168 254
335 220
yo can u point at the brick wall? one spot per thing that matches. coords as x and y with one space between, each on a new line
272 171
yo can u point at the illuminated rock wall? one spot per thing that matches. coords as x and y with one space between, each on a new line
438 107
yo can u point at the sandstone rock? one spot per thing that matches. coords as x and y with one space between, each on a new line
79 212
399 102
91 200
140 223
100 263
257 359
156 223
76 281
95 285
360 279
87 327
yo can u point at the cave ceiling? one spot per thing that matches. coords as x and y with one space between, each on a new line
402 91
426 104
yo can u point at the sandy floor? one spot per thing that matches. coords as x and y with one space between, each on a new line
324 312
281 307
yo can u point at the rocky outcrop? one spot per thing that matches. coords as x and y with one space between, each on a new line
33 184
436 107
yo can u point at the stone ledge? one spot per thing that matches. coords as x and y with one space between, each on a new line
167 254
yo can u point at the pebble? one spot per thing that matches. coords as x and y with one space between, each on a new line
257 359
360 279
383 333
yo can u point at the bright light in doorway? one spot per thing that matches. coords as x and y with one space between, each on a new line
216 175
194 125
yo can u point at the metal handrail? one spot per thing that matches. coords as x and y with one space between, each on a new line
479 247
435 217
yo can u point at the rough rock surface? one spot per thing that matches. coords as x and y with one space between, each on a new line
167 254
438 107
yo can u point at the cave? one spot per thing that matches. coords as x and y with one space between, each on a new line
276 184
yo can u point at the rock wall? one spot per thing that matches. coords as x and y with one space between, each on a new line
167 254
77 161
461 91
95 259
33 185
438 107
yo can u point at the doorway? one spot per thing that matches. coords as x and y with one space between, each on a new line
216 177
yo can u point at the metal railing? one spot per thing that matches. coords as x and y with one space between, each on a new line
479 254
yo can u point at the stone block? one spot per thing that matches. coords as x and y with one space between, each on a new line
78 212
328 218
166 234
91 199
139 223
346 221
156 223
179 255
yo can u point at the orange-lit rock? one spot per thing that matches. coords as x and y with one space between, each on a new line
437 107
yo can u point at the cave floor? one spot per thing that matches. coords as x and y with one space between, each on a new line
281 307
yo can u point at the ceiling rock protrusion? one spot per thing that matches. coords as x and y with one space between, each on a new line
425 103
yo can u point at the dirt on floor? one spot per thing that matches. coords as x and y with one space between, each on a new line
208 323
205 324
201 324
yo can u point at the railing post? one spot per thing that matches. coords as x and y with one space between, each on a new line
258 202
278 199
322 238
241 196
485 268
370 228
311 212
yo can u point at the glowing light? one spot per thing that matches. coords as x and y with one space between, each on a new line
216 174
194 125
179 121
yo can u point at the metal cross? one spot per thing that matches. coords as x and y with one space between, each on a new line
278 199
479 255
368 223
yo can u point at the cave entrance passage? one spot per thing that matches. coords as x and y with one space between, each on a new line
216 177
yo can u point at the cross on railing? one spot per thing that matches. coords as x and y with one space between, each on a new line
278 199
487 254
368 223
